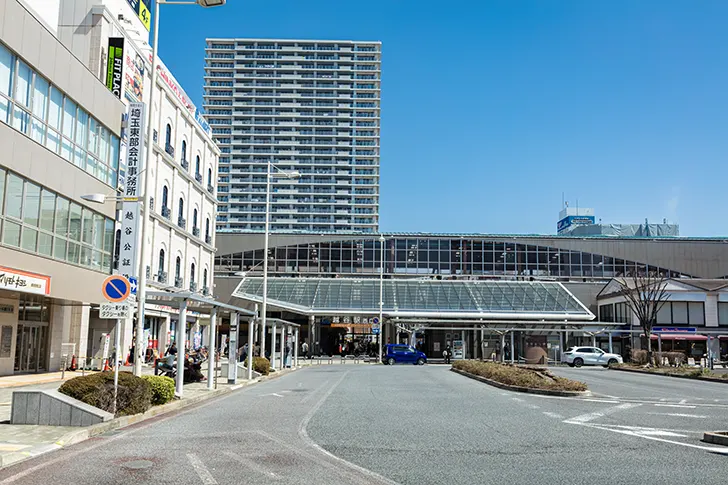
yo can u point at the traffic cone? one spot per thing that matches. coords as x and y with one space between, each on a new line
126 362
106 366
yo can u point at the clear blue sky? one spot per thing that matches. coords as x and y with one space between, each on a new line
492 109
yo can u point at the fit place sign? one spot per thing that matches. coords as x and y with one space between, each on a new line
13 279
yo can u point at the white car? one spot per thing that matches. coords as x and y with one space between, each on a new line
578 356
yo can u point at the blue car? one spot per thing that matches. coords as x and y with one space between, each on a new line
403 354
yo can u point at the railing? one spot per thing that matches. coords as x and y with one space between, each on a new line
206 291
208 239
210 189
179 282
185 164
169 149
196 231
161 277
193 286
181 222
198 177
166 212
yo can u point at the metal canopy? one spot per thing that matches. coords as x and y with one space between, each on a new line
195 302
515 300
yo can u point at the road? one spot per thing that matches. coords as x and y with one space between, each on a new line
366 424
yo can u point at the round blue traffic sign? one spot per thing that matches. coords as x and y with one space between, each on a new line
116 288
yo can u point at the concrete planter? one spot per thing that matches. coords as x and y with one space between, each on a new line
716 437
528 390
642 371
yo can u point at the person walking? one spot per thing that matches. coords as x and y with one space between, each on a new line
447 354
304 349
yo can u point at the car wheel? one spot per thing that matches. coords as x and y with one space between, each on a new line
578 362
420 361
611 362
390 361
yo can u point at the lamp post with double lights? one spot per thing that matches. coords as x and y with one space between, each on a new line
381 295
264 307
141 290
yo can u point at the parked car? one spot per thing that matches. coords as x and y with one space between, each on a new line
578 356
403 354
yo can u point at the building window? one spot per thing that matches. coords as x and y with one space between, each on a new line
165 196
39 221
207 228
181 211
723 313
184 150
690 313
177 268
209 177
192 274
168 135
194 219
204 278
161 261
197 165
32 105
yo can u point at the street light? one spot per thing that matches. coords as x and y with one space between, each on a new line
142 276
264 307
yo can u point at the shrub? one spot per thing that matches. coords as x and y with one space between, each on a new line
638 356
533 378
162 389
261 365
675 359
135 394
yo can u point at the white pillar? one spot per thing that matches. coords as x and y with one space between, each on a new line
311 334
513 349
211 349
475 343
295 349
273 345
610 343
465 347
594 340
502 348
561 344
284 338
181 324
233 352
163 342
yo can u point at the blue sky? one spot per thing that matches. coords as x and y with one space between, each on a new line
492 109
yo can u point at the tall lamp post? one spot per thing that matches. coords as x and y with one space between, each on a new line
142 286
381 294
264 307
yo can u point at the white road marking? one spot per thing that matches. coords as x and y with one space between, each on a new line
517 399
585 418
201 470
602 400
252 465
675 406
659 432
722 451
683 401
680 415
553 415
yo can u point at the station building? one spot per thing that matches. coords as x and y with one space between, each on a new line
519 272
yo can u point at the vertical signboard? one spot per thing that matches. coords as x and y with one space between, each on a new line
115 65
130 208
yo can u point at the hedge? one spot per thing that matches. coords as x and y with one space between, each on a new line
135 393
162 389
261 365
518 376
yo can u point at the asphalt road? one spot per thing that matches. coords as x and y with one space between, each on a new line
366 424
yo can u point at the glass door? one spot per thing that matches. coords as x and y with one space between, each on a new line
31 346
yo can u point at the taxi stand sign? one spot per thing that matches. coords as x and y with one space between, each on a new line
114 310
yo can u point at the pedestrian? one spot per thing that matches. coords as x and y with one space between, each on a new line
172 350
447 354
304 349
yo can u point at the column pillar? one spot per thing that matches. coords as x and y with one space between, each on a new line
482 343
273 345
465 347
513 350
232 376
180 346
502 348
561 344
251 333
211 349
164 334
610 343
311 334
295 349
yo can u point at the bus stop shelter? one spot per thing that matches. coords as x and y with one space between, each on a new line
185 301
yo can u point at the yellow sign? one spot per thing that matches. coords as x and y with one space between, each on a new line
145 16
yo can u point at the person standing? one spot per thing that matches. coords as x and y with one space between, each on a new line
447 354
304 349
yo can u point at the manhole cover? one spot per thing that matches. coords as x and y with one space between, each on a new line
138 464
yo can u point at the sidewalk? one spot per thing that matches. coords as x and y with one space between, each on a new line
22 442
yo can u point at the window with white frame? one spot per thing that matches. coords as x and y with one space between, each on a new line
35 107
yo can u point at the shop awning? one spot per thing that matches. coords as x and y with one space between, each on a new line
678 336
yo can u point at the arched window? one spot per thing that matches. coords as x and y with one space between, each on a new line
207 228
194 219
209 177
177 269
197 164
184 150
165 196
161 262
192 274
168 136
181 211
204 278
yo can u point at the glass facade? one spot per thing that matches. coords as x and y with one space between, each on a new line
35 107
39 221
443 257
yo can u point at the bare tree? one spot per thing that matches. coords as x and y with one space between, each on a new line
645 294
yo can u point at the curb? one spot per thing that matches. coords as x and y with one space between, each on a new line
82 434
716 437
528 390
700 378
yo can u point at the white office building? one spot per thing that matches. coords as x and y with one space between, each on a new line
310 106
183 169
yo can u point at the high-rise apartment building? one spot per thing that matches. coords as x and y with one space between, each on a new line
309 106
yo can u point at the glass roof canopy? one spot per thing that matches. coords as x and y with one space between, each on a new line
513 300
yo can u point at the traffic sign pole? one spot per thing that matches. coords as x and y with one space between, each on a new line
116 288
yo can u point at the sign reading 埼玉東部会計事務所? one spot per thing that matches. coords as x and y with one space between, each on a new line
130 208
13 279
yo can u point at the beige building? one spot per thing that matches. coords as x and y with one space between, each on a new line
59 132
